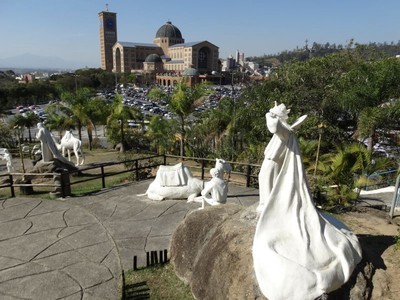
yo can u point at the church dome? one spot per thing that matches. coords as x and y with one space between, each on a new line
168 30
190 72
153 58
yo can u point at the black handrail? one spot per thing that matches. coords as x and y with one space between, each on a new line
66 183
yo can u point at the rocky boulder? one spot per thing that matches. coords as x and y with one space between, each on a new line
211 251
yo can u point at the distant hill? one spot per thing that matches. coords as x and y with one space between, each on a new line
30 61
319 50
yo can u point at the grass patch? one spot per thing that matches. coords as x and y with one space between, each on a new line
156 283
83 188
397 242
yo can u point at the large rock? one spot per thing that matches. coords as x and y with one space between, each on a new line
52 166
211 251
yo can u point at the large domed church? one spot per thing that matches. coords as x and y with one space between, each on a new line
168 54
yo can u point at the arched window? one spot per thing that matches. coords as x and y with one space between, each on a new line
203 58
118 59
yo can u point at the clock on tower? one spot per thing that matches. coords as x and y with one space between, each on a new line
109 24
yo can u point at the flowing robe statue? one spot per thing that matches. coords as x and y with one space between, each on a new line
297 252
48 146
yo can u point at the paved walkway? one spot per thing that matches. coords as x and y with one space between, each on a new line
76 248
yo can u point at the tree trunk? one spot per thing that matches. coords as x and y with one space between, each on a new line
80 130
122 136
371 140
90 137
182 137
30 135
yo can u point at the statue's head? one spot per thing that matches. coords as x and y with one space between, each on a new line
214 172
280 110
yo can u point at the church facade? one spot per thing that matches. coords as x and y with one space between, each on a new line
168 55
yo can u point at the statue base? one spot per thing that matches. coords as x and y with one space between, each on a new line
53 166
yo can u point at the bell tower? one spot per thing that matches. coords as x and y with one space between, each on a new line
108 37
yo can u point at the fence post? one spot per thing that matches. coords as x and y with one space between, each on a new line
137 169
396 197
203 165
123 286
165 160
103 179
12 186
65 184
248 174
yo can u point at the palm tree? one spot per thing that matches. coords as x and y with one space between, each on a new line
74 105
369 121
18 122
31 119
182 104
97 110
59 122
28 121
162 133
347 169
119 117
220 120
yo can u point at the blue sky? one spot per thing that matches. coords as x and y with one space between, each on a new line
69 29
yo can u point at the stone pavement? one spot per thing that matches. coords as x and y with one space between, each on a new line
76 248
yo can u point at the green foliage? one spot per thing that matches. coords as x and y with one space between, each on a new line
182 103
28 121
130 163
157 94
320 50
117 123
13 93
162 134
57 120
6 136
342 171
79 106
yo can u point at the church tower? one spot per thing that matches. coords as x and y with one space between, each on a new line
108 37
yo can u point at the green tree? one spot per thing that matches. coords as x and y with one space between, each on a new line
182 104
162 134
367 93
31 119
346 169
213 130
28 121
98 111
157 94
57 121
6 136
75 106
118 119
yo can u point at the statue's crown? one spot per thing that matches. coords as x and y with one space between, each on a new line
280 110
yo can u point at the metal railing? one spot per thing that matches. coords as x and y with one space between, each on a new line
242 173
381 179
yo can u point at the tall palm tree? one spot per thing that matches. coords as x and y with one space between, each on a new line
74 105
31 119
18 122
182 104
28 121
59 122
119 116
369 120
